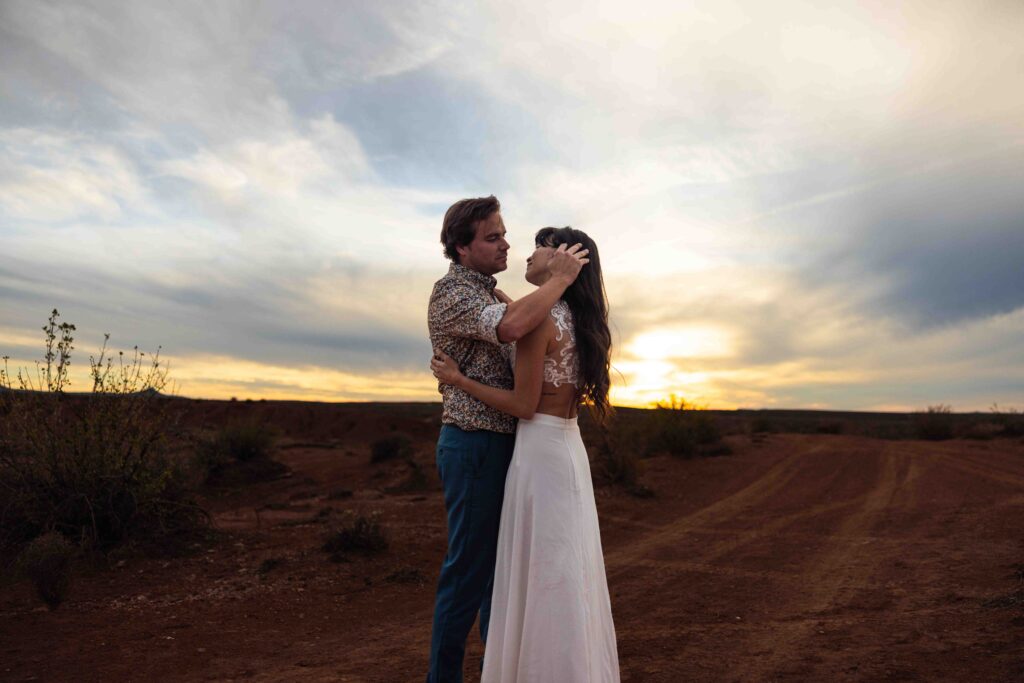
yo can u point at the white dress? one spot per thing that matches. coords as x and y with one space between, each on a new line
551 619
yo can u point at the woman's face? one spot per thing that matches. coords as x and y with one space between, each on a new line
537 265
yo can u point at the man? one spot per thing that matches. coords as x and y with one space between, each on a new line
476 324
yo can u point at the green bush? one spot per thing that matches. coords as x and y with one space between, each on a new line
360 533
47 563
390 448
95 467
934 424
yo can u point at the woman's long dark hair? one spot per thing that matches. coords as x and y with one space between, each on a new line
589 305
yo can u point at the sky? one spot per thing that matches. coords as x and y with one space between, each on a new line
797 204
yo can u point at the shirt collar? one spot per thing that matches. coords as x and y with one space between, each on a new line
488 282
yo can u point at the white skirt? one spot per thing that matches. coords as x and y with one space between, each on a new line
551 619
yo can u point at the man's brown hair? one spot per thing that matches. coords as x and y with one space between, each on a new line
459 227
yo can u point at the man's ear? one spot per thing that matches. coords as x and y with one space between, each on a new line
462 252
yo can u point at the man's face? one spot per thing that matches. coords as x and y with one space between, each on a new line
488 252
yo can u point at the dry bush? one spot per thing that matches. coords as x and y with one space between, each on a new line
616 458
1010 421
95 467
391 448
238 453
244 441
683 430
414 482
47 563
828 427
360 533
763 425
934 424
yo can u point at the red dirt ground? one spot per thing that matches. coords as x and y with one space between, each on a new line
796 558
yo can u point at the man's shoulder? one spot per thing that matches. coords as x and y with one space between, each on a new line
452 283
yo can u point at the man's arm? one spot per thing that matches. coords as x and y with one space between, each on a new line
459 310
525 314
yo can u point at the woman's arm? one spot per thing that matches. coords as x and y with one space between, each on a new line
520 402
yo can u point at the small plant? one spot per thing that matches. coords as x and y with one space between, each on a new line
47 563
360 533
339 494
270 564
935 423
390 448
414 482
406 575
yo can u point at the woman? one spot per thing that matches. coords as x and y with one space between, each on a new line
551 619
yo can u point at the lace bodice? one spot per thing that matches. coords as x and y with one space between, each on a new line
563 366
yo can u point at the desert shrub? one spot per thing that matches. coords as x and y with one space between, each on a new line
94 467
244 441
616 457
934 424
829 427
763 425
415 481
406 575
390 448
360 533
980 430
238 453
47 563
1010 421
682 430
270 564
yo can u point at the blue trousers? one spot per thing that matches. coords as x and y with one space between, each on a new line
472 466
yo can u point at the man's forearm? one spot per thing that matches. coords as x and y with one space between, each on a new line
523 315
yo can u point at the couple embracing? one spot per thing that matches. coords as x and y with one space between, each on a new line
524 546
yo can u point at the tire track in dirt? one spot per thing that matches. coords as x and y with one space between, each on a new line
623 558
969 464
837 565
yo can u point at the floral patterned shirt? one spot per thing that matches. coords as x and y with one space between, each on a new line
463 318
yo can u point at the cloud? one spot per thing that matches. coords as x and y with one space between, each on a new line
48 176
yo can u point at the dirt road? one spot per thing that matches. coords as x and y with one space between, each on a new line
800 558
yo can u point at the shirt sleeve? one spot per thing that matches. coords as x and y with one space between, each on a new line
458 310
